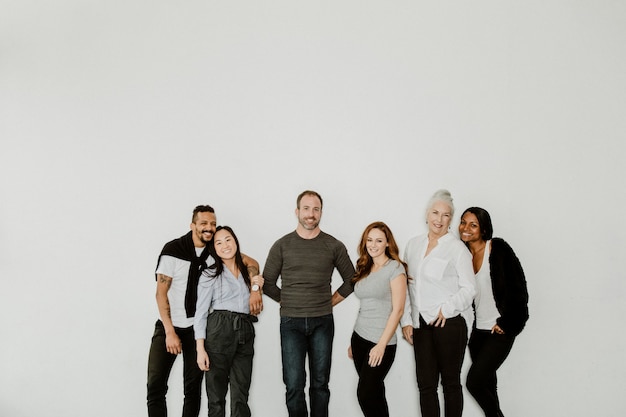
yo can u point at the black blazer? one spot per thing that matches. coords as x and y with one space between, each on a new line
509 287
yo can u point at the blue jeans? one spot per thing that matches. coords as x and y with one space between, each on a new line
160 364
300 336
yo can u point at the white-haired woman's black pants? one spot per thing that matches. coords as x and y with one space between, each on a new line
439 352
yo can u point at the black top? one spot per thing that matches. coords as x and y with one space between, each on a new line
509 287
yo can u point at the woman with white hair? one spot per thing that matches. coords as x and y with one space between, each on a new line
438 309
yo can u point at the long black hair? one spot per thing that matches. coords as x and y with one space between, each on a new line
218 267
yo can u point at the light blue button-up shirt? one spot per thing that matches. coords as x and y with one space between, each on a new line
224 292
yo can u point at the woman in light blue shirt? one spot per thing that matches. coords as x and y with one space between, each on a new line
223 326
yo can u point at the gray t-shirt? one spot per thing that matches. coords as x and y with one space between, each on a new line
374 291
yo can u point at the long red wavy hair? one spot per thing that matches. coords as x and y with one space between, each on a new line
365 262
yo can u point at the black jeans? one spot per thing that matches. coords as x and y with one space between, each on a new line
160 363
230 346
488 351
440 351
371 388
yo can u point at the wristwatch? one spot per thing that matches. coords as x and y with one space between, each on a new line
255 287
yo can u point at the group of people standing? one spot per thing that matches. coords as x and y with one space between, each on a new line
441 292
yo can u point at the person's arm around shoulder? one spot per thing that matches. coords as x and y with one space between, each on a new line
398 297
251 264
256 281
172 341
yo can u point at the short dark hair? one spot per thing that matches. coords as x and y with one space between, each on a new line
484 221
309 192
201 209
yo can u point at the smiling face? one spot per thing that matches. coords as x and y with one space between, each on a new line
225 245
469 228
376 243
439 218
309 212
203 228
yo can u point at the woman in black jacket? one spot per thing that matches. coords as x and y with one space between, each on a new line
501 306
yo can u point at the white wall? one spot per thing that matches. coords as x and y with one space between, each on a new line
118 117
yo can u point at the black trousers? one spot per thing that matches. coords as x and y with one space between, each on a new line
488 351
160 364
439 351
230 345
371 388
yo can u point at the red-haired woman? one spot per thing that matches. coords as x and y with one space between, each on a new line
380 284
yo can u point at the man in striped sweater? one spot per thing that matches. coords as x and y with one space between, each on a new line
305 260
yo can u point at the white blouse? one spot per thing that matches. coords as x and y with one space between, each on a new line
486 311
442 280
